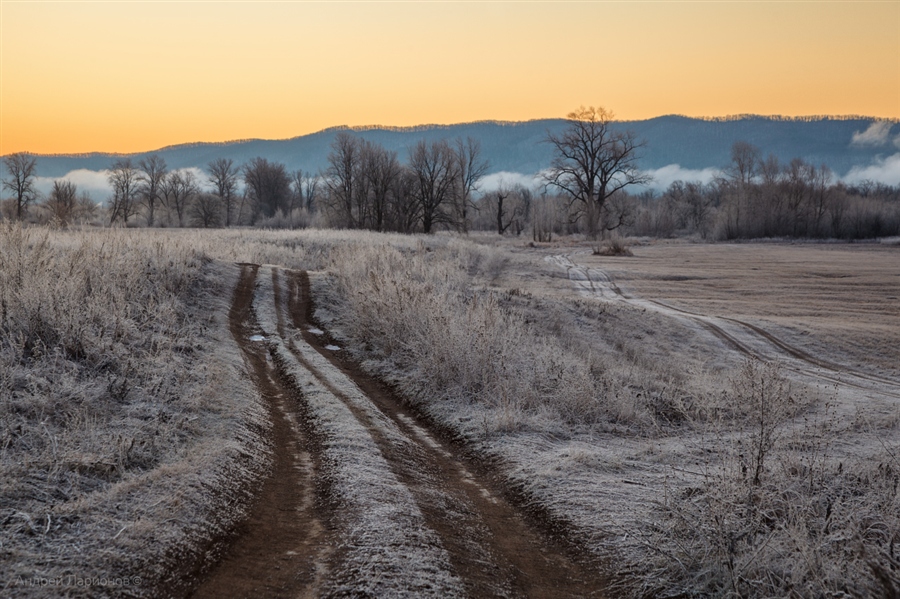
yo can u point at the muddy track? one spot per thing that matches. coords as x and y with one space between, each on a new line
282 548
492 545
292 544
742 337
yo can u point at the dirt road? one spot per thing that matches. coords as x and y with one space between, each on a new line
363 500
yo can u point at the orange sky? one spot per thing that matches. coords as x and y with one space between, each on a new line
130 76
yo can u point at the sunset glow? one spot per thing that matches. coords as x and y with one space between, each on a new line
131 76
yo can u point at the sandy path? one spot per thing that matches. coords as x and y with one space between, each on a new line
746 338
364 500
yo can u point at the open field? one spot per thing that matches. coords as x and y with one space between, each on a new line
841 303
443 416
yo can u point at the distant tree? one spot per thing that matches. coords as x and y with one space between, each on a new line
380 169
404 211
304 188
592 162
435 167
178 189
62 204
741 190
470 168
22 170
500 195
123 177
342 178
268 187
153 173
205 210
746 160
223 175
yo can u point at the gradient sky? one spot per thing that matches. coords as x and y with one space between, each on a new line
132 76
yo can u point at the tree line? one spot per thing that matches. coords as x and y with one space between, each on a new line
586 190
365 186
762 197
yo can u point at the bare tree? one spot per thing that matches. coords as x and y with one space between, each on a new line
223 174
206 210
268 187
342 178
404 210
592 162
746 161
380 169
22 171
513 213
123 178
63 202
178 189
151 179
741 177
470 168
500 195
310 185
435 167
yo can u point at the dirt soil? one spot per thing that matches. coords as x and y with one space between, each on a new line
281 547
288 545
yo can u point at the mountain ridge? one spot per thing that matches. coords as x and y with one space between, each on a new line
516 146
428 126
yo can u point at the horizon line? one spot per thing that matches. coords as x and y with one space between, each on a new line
432 126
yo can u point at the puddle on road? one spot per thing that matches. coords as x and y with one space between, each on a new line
257 338
332 347
316 331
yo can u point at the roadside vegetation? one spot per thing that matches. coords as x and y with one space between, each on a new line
128 437
769 505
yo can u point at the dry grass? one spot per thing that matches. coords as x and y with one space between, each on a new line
756 504
118 389
777 511
715 478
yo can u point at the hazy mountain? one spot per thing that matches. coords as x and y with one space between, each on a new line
692 143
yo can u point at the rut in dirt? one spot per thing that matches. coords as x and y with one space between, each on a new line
496 548
294 543
282 548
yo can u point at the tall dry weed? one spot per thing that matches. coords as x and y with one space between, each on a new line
772 512
106 376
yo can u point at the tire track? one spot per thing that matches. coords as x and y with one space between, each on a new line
361 499
491 546
795 359
282 549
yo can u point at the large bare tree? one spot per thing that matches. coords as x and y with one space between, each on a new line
22 171
153 173
593 161
470 168
206 210
342 178
178 189
223 174
268 187
380 169
123 177
435 167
